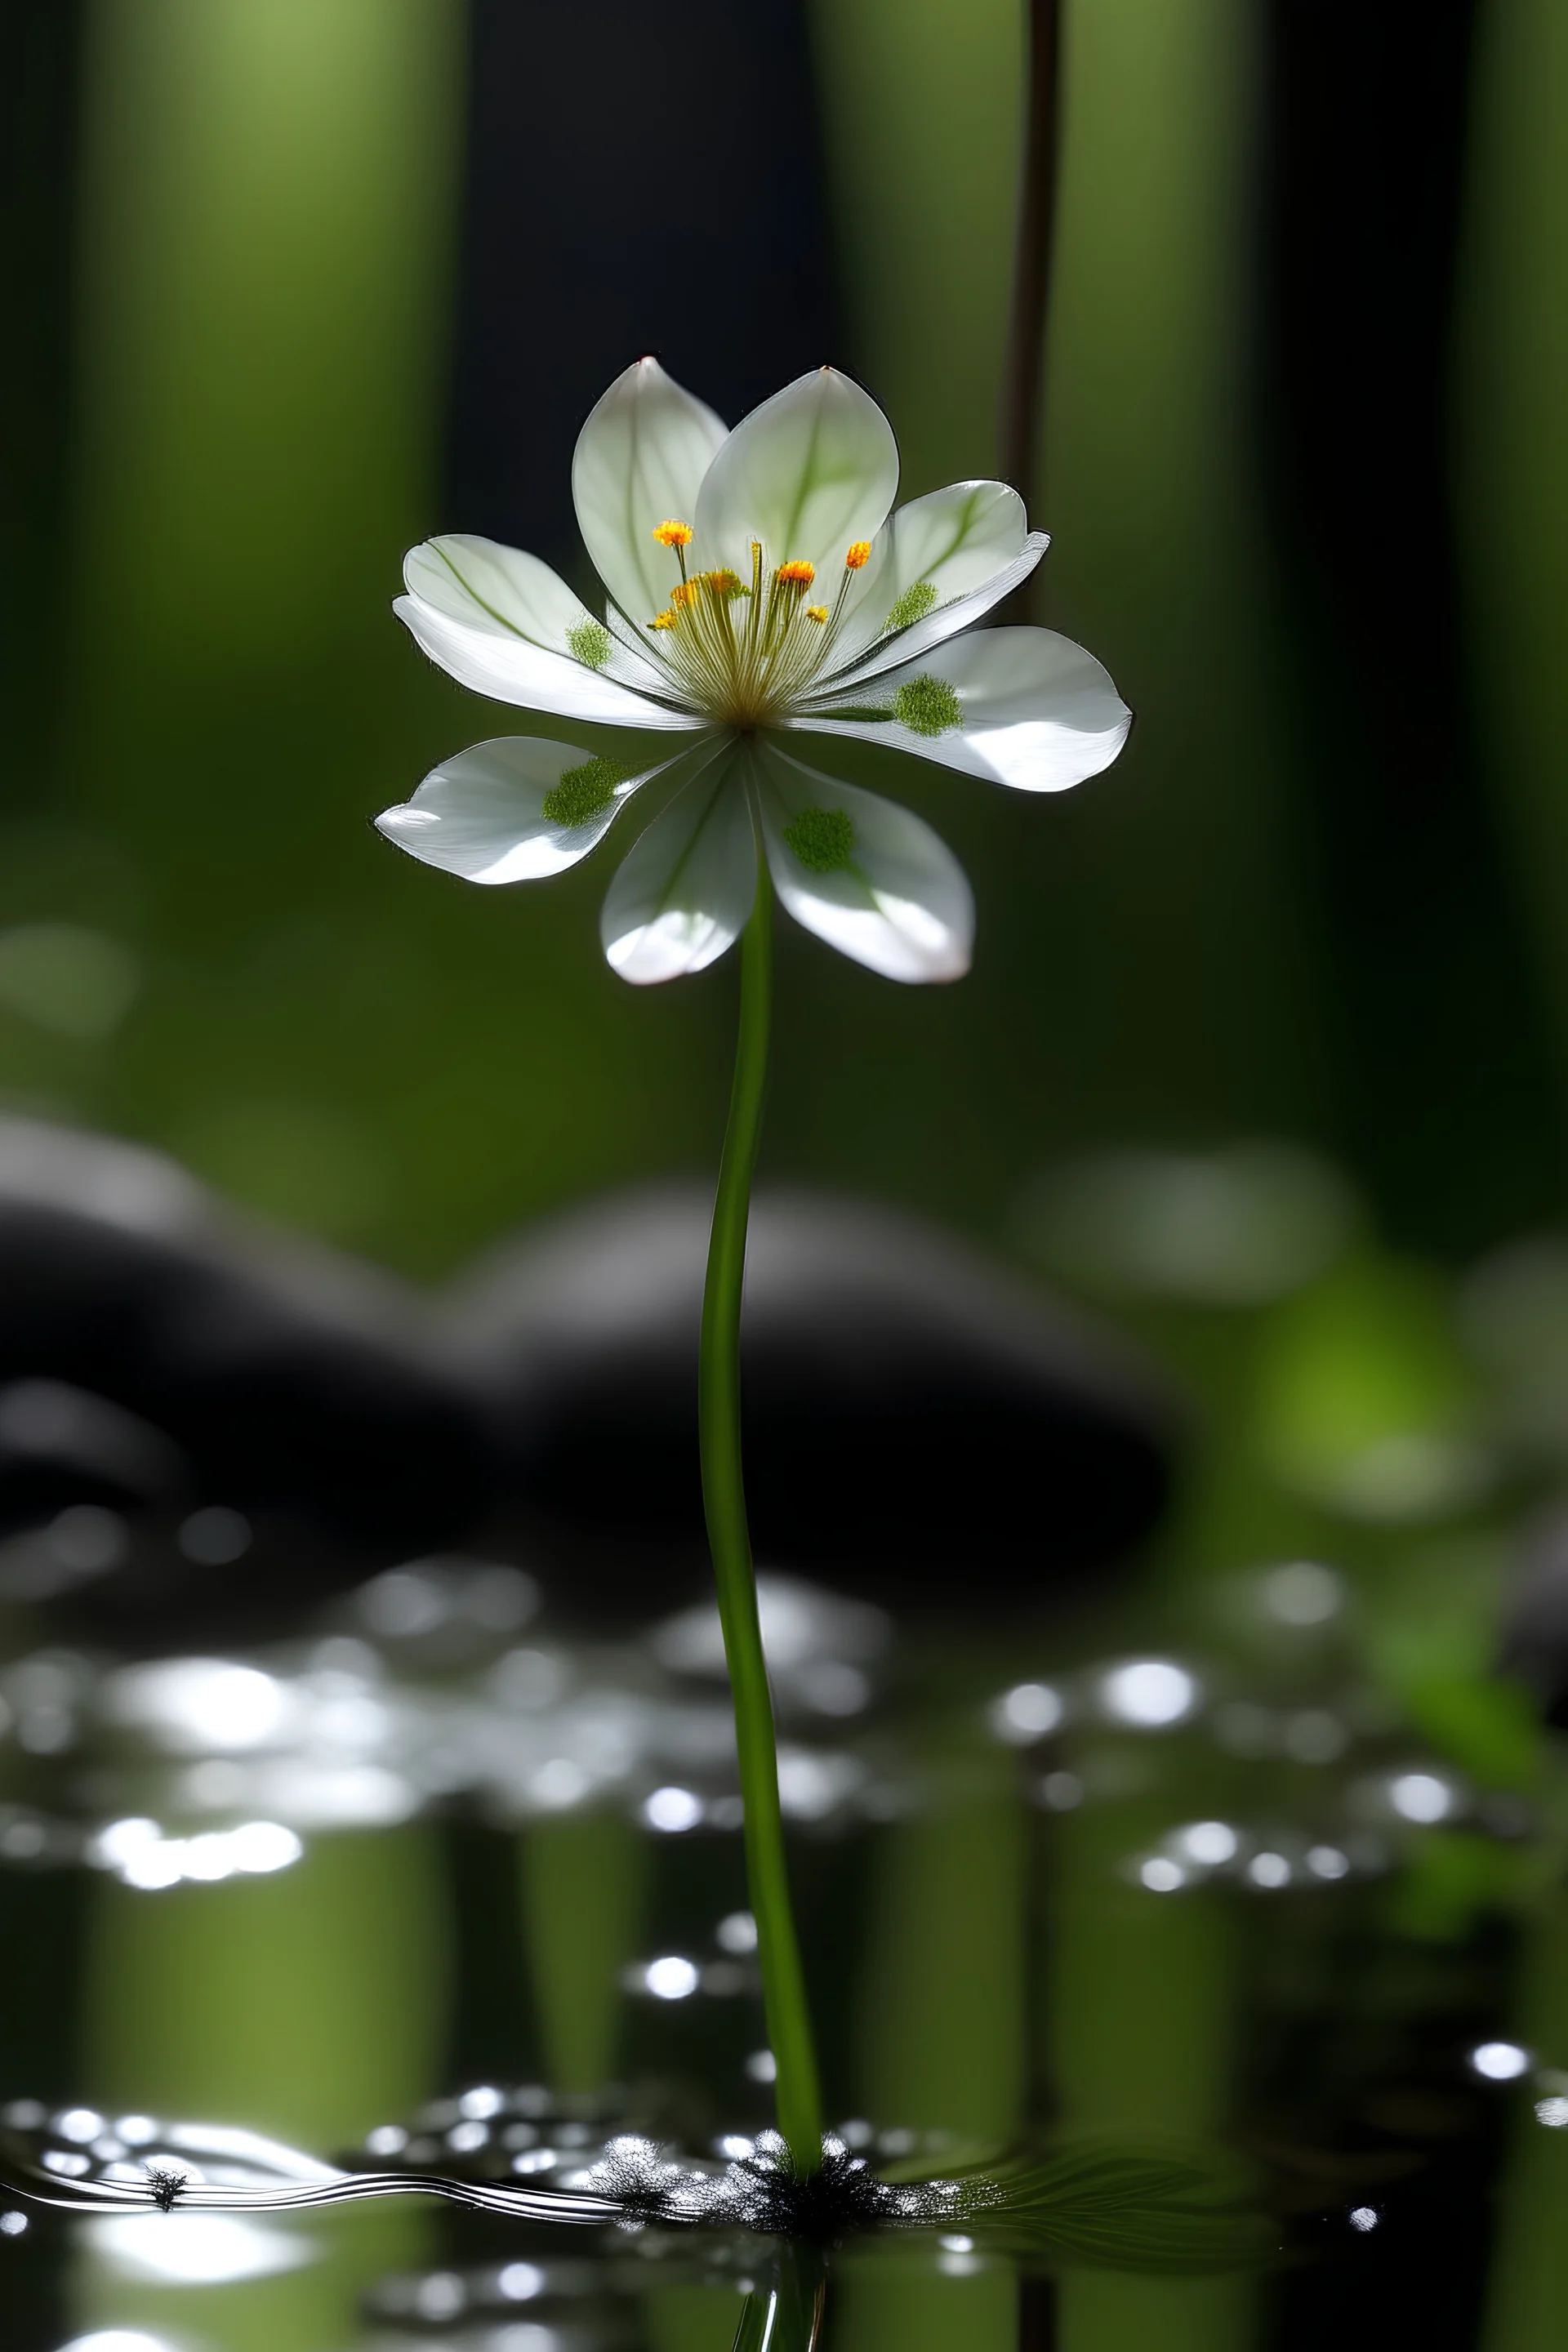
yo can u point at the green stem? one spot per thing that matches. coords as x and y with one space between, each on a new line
798 2098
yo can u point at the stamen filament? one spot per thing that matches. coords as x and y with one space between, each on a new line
743 671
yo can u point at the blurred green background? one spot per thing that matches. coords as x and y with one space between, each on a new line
1300 456
293 283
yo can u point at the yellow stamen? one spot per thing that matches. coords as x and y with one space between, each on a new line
797 575
673 534
723 583
816 612
665 621
685 595
859 556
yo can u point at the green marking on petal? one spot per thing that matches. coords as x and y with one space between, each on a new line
583 793
927 705
916 602
589 643
822 839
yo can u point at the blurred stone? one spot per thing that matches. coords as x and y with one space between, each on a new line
259 1417
207 1430
923 1427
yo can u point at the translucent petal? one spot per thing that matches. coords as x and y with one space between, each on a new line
639 461
954 539
686 888
808 473
514 669
884 654
481 814
499 590
638 646
902 906
504 592
1034 710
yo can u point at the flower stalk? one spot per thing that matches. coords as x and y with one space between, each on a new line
798 2096
858 622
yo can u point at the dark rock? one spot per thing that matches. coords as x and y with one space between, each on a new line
205 1431
923 1427
259 1418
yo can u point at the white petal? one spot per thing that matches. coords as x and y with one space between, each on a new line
1035 711
481 814
502 592
685 889
955 540
638 658
513 669
962 613
495 589
902 906
807 472
639 461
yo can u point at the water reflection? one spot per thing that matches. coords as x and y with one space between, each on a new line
201 2250
438 1703
119 2339
426 1699
1252 1756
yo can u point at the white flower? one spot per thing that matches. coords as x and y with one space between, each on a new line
760 594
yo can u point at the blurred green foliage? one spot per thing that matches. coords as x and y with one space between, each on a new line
263 291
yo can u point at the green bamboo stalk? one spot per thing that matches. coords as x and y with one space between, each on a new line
1189 847
925 226
264 214
267 233
1158 562
798 2098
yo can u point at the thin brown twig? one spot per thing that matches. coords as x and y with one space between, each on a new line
1024 370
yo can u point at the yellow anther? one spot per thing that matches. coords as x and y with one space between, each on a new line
673 534
816 612
859 556
723 583
797 576
685 595
665 621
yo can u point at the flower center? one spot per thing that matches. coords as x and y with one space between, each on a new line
744 651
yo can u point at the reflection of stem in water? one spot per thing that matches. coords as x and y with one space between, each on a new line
583 1880
310 2004
1528 2293
784 2312
724 1501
